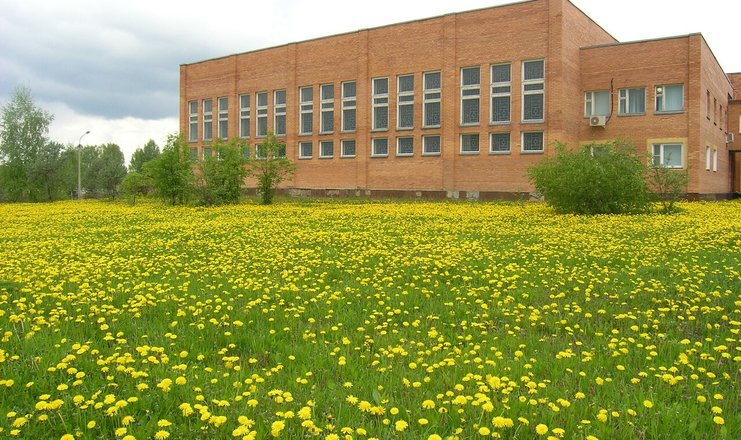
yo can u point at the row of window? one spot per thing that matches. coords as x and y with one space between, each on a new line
717 110
669 98
533 104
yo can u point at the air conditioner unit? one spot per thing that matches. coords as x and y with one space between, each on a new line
597 121
729 138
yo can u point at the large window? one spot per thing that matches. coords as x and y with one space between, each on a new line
262 114
326 123
632 101
501 93
193 121
380 104
223 117
500 143
348 148
668 155
430 145
597 103
431 102
533 91
380 147
405 102
532 142
280 113
469 144
470 95
405 146
305 150
306 110
670 98
244 116
348 106
326 149
208 116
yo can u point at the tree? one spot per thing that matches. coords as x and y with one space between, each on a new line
142 155
220 179
46 181
606 178
135 184
271 167
667 185
172 171
107 170
23 134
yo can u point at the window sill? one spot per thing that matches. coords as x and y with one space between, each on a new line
671 112
304 158
404 128
470 153
431 127
404 155
628 115
590 116
499 123
379 156
347 157
431 154
471 124
539 121
305 134
379 130
532 151
324 133
500 153
347 131
326 157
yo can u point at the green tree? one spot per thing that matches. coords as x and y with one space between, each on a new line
142 155
270 167
45 173
172 171
668 186
606 178
220 178
24 130
107 170
136 184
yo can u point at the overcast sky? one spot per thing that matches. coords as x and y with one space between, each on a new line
112 67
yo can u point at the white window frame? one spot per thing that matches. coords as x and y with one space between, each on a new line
279 111
208 118
398 146
203 152
491 143
349 103
262 114
301 154
540 91
404 98
326 105
322 153
244 115
590 102
470 152
223 124
497 91
431 96
522 142
258 150
193 121
660 97
470 97
306 107
425 152
624 101
661 156
374 153
344 142
380 100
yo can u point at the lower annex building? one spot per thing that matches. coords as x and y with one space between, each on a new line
463 104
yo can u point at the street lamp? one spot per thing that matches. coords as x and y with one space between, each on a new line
79 175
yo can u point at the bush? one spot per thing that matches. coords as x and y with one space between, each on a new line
668 186
136 184
606 178
172 171
220 179
270 167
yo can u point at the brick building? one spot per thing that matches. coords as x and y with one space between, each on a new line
463 104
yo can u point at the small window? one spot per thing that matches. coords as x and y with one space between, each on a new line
207 152
667 155
326 149
532 142
430 145
632 101
348 148
193 121
405 146
223 103
670 98
208 126
597 103
469 144
380 147
500 143
305 150
194 153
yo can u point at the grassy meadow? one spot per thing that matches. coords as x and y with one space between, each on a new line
374 320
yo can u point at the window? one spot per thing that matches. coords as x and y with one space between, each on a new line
670 98
715 159
281 151
532 142
632 101
193 121
500 143
667 155
262 114
470 94
533 95
431 102
207 152
244 116
194 153
348 148
430 145
597 103
305 150
326 123
208 127
708 158
223 130
260 152
707 105
469 144
715 111
501 93
348 106
405 102
280 113
326 149
380 104
405 146
306 95
246 152
380 147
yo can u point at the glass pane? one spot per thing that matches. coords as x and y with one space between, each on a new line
244 101
533 107
406 116
406 83
380 86
470 76
602 103
327 121
307 94
223 104
193 107
280 125
673 155
208 131
500 107
673 98
306 149
470 111
432 114
500 73
306 122
380 117
262 126
326 148
432 80
532 141
380 147
637 100
328 91
405 145
207 106
533 70
244 127
348 120
348 90
348 148
223 127
500 142
280 97
262 99
431 144
470 143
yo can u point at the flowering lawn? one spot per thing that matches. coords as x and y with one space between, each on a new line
349 320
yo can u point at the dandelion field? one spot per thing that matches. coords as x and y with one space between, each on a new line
346 320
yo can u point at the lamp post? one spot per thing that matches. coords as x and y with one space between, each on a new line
79 175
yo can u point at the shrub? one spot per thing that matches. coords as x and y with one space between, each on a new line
172 171
668 186
607 178
220 178
270 167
